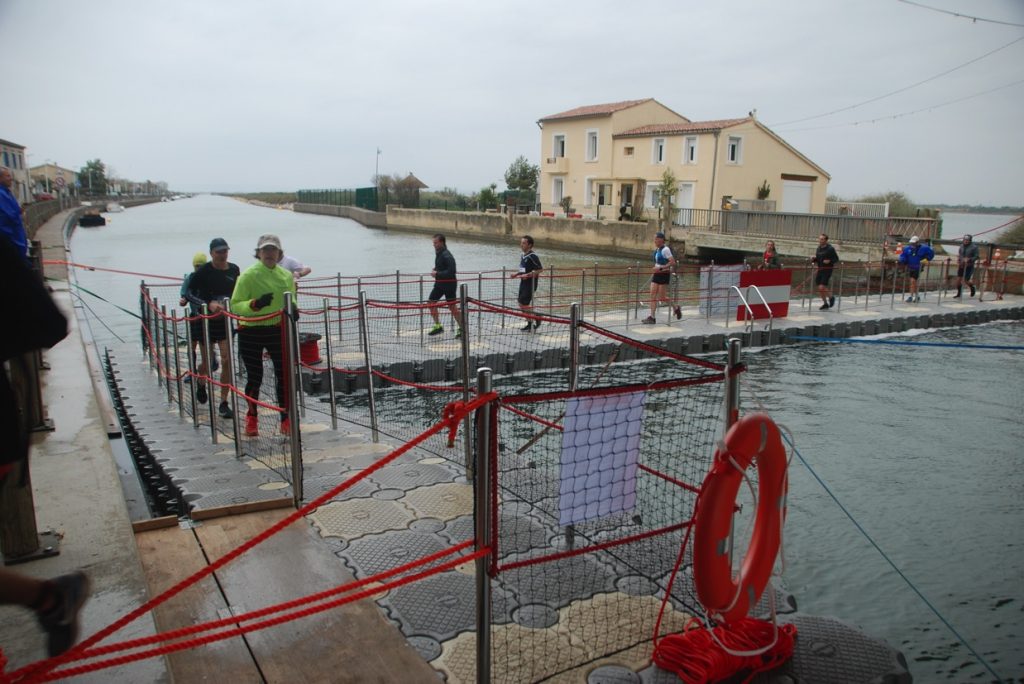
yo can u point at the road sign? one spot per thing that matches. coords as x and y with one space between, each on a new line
60 181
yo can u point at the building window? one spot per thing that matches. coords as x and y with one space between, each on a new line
558 148
652 195
588 192
591 145
735 151
658 151
557 190
604 194
690 151
627 151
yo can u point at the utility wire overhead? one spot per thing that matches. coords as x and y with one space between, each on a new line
957 14
902 114
899 90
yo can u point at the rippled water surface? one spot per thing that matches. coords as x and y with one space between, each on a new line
924 446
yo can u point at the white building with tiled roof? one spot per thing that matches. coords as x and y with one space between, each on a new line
610 157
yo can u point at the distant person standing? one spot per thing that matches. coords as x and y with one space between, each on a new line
12 226
770 259
664 263
211 285
294 266
445 285
260 291
914 256
528 273
966 256
825 258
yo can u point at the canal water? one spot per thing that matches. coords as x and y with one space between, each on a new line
922 446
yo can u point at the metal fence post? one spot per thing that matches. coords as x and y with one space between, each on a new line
839 290
422 323
365 343
479 311
292 368
398 300
551 291
595 293
191 372
463 306
330 364
143 324
340 337
732 384
482 524
711 287
177 367
504 278
166 372
230 372
574 345
151 332
208 359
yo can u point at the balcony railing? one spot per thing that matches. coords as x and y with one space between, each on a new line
556 165
805 226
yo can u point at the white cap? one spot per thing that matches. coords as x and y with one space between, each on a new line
914 240
268 240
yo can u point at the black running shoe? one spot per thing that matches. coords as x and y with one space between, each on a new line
536 324
225 411
679 313
831 302
649 320
973 290
61 621
823 307
527 327
201 394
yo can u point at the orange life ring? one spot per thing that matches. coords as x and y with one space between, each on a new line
754 436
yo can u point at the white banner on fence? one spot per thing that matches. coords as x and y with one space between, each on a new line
600 445
715 284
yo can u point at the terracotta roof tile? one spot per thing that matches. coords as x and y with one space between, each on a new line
677 128
596 110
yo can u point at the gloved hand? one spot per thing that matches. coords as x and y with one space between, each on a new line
264 300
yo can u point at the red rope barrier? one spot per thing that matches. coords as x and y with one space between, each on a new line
678 483
419 385
60 262
38 670
279 608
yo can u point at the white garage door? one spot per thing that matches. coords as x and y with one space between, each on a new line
796 196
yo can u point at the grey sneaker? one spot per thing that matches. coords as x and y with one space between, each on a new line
61 621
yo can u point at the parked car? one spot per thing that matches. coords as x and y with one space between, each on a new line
43 196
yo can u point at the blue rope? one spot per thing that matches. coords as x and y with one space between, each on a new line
906 342
889 560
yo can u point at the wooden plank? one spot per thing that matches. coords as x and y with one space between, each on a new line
353 643
240 509
154 523
168 556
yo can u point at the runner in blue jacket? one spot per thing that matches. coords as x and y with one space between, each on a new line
914 256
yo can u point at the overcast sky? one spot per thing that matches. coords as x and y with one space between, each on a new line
228 95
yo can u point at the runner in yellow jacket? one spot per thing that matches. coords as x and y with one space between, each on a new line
260 291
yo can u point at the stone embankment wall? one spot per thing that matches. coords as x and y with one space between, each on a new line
370 219
621 238
612 237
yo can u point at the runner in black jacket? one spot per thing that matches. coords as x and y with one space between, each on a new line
445 285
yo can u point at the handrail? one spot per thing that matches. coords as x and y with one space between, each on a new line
749 322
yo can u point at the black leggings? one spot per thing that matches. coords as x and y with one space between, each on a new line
251 343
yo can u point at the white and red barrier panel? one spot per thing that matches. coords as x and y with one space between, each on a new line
774 286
